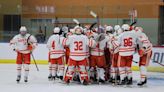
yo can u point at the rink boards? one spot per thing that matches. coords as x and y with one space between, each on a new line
7 55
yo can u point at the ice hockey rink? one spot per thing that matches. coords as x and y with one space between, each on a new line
41 17
38 82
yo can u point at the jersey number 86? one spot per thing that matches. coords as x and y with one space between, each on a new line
128 42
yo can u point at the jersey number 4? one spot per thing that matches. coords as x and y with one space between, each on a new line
128 42
78 45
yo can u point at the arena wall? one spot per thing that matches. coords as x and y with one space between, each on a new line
41 55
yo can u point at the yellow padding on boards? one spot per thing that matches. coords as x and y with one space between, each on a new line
150 69
44 62
12 61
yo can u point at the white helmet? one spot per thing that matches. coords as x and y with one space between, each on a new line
72 31
95 30
139 29
65 29
119 31
117 27
78 30
56 30
85 30
23 29
109 29
125 27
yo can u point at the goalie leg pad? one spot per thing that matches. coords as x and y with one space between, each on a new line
83 73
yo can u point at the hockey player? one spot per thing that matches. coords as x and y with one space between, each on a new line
67 50
108 56
114 56
23 44
145 52
50 67
97 59
78 44
126 43
56 50
116 29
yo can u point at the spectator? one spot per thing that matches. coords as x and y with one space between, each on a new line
40 36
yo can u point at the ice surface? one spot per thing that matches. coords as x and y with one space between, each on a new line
38 82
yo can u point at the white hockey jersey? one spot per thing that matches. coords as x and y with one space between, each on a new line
78 45
145 42
55 47
127 42
99 49
111 44
20 43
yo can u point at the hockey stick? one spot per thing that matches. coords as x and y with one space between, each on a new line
98 24
65 71
133 16
133 23
157 62
65 66
98 20
32 54
76 21
35 61
135 62
90 28
93 14
153 61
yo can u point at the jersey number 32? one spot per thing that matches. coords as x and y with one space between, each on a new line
78 45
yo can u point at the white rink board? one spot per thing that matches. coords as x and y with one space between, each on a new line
41 53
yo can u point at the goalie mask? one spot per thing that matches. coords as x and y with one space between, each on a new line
78 30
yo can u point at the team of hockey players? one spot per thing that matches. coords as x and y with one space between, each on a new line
88 55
